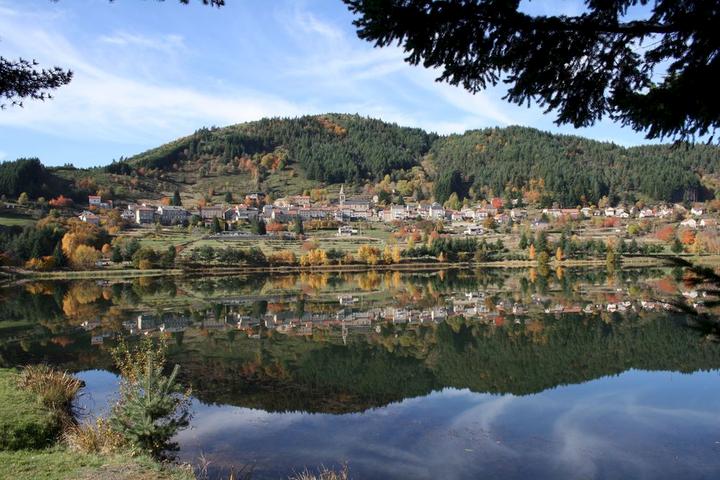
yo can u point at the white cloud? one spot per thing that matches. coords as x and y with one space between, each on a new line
163 43
308 23
116 106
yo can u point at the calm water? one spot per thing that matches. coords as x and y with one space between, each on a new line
488 374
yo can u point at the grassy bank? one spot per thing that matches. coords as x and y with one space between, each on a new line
59 463
31 446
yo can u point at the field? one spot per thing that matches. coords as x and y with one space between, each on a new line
377 235
12 220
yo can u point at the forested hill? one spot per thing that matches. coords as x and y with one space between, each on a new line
574 168
337 148
330 148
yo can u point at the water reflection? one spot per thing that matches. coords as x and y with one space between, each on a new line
451 374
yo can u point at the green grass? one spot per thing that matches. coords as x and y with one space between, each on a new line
24 421
9 220
60 464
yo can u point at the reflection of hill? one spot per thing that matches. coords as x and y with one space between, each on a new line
296 374
58 322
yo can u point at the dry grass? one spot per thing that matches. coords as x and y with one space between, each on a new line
55 388
95 437
323 474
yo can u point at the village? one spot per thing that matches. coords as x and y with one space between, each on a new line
469 220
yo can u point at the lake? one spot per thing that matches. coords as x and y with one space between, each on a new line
574 373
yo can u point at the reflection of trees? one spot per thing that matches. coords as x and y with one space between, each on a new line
311 282
288 373
317 374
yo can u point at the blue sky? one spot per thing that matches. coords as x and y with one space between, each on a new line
147 72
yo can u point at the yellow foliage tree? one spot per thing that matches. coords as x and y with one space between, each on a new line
387 255
84 257
365 252
41 264
396 254
531 252
317 256
559 254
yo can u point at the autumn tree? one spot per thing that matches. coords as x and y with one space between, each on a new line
489 223
687 237
84 257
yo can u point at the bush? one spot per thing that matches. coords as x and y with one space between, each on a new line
98 437
55 388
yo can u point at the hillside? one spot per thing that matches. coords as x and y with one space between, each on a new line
286 156
574 168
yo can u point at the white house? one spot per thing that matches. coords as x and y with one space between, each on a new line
89 217
436 212
689 223
346 231
474 230
646 213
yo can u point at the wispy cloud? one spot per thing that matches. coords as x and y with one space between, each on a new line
163 43
116 106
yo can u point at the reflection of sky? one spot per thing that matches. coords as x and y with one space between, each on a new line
636 425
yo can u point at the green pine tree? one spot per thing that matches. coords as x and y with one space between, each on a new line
298 227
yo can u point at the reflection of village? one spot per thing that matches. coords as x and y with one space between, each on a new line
349 313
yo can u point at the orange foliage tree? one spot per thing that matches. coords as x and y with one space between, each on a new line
61 202
666 234
687 237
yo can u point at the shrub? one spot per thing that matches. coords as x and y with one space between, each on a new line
43 264
283 257
55 388
98 437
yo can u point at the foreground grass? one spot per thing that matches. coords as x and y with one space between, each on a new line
25 422
59 463
31 425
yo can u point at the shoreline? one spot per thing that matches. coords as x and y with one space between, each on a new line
19 275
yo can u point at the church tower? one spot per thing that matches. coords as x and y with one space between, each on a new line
342 195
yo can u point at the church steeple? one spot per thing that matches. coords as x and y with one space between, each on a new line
342 195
